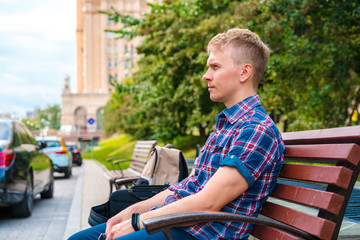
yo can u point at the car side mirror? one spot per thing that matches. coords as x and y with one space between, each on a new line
43 144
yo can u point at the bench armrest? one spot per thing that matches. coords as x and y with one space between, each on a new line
125 182
111 160
166 222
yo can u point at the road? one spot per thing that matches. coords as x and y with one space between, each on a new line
49 218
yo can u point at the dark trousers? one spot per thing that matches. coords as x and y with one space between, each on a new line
94 232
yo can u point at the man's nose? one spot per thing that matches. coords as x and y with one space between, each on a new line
206 76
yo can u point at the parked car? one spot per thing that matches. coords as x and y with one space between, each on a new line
58 153
75 153
25 170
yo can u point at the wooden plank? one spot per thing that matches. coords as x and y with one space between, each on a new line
268 233
140 155
139 160
143 150
318 199
152 142
330 135
334 175
144 145
339 152
137 168
316 226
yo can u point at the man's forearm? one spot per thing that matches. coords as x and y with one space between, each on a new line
226 184
144 206
155 201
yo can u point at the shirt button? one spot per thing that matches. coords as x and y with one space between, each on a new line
232 156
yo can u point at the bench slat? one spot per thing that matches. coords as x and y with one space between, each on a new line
140 155
143 150
335 175
136 168
268 233
318 199
316 226
141 161
340 152
147 145
330 135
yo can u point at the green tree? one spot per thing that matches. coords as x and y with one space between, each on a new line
169 98
48 117
313 75
312 79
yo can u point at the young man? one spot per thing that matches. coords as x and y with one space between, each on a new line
238 166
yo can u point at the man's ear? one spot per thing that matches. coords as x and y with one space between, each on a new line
245 73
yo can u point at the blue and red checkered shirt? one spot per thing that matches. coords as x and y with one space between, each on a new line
246 138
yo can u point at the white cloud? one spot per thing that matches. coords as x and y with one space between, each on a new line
52 19
37 50
18 97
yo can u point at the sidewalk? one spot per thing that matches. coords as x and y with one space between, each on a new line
91 189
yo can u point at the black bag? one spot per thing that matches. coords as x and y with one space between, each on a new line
121 199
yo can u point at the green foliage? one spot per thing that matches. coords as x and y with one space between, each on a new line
49 117
312 79
121 145
314 69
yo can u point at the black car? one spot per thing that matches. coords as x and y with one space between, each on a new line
24 170
75 153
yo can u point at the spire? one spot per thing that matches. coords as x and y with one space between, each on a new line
66 89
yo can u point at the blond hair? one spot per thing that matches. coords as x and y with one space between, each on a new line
248 48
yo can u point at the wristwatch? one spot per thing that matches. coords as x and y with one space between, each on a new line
135 221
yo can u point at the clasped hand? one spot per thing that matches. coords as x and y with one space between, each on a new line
117 230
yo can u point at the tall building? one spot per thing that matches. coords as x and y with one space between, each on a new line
101 58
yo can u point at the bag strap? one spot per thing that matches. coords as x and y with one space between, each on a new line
156 160
184 172
152 193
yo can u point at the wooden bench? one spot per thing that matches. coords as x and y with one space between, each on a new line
140 154
322 189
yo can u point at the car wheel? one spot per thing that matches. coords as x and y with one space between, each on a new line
80 162
24 208
48 193
68 173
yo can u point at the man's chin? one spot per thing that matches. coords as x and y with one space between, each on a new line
215 99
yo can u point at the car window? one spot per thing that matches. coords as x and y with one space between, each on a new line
16 141
30 136
4 131
53 143
22 134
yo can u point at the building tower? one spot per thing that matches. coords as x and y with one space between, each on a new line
101 58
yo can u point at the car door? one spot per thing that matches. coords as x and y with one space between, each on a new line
42 163
37 162
19 171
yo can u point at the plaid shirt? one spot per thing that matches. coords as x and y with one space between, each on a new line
246 138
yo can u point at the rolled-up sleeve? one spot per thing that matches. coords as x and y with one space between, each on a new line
252 153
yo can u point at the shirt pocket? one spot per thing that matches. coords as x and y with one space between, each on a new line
218 153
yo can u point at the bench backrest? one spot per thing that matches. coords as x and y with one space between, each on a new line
319 173
140 155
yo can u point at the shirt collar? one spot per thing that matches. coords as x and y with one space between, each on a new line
240 109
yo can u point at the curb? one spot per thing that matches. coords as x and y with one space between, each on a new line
74 219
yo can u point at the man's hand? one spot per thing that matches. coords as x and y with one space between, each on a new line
118 218
119 230
140 207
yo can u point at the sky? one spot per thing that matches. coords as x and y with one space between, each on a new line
37 51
